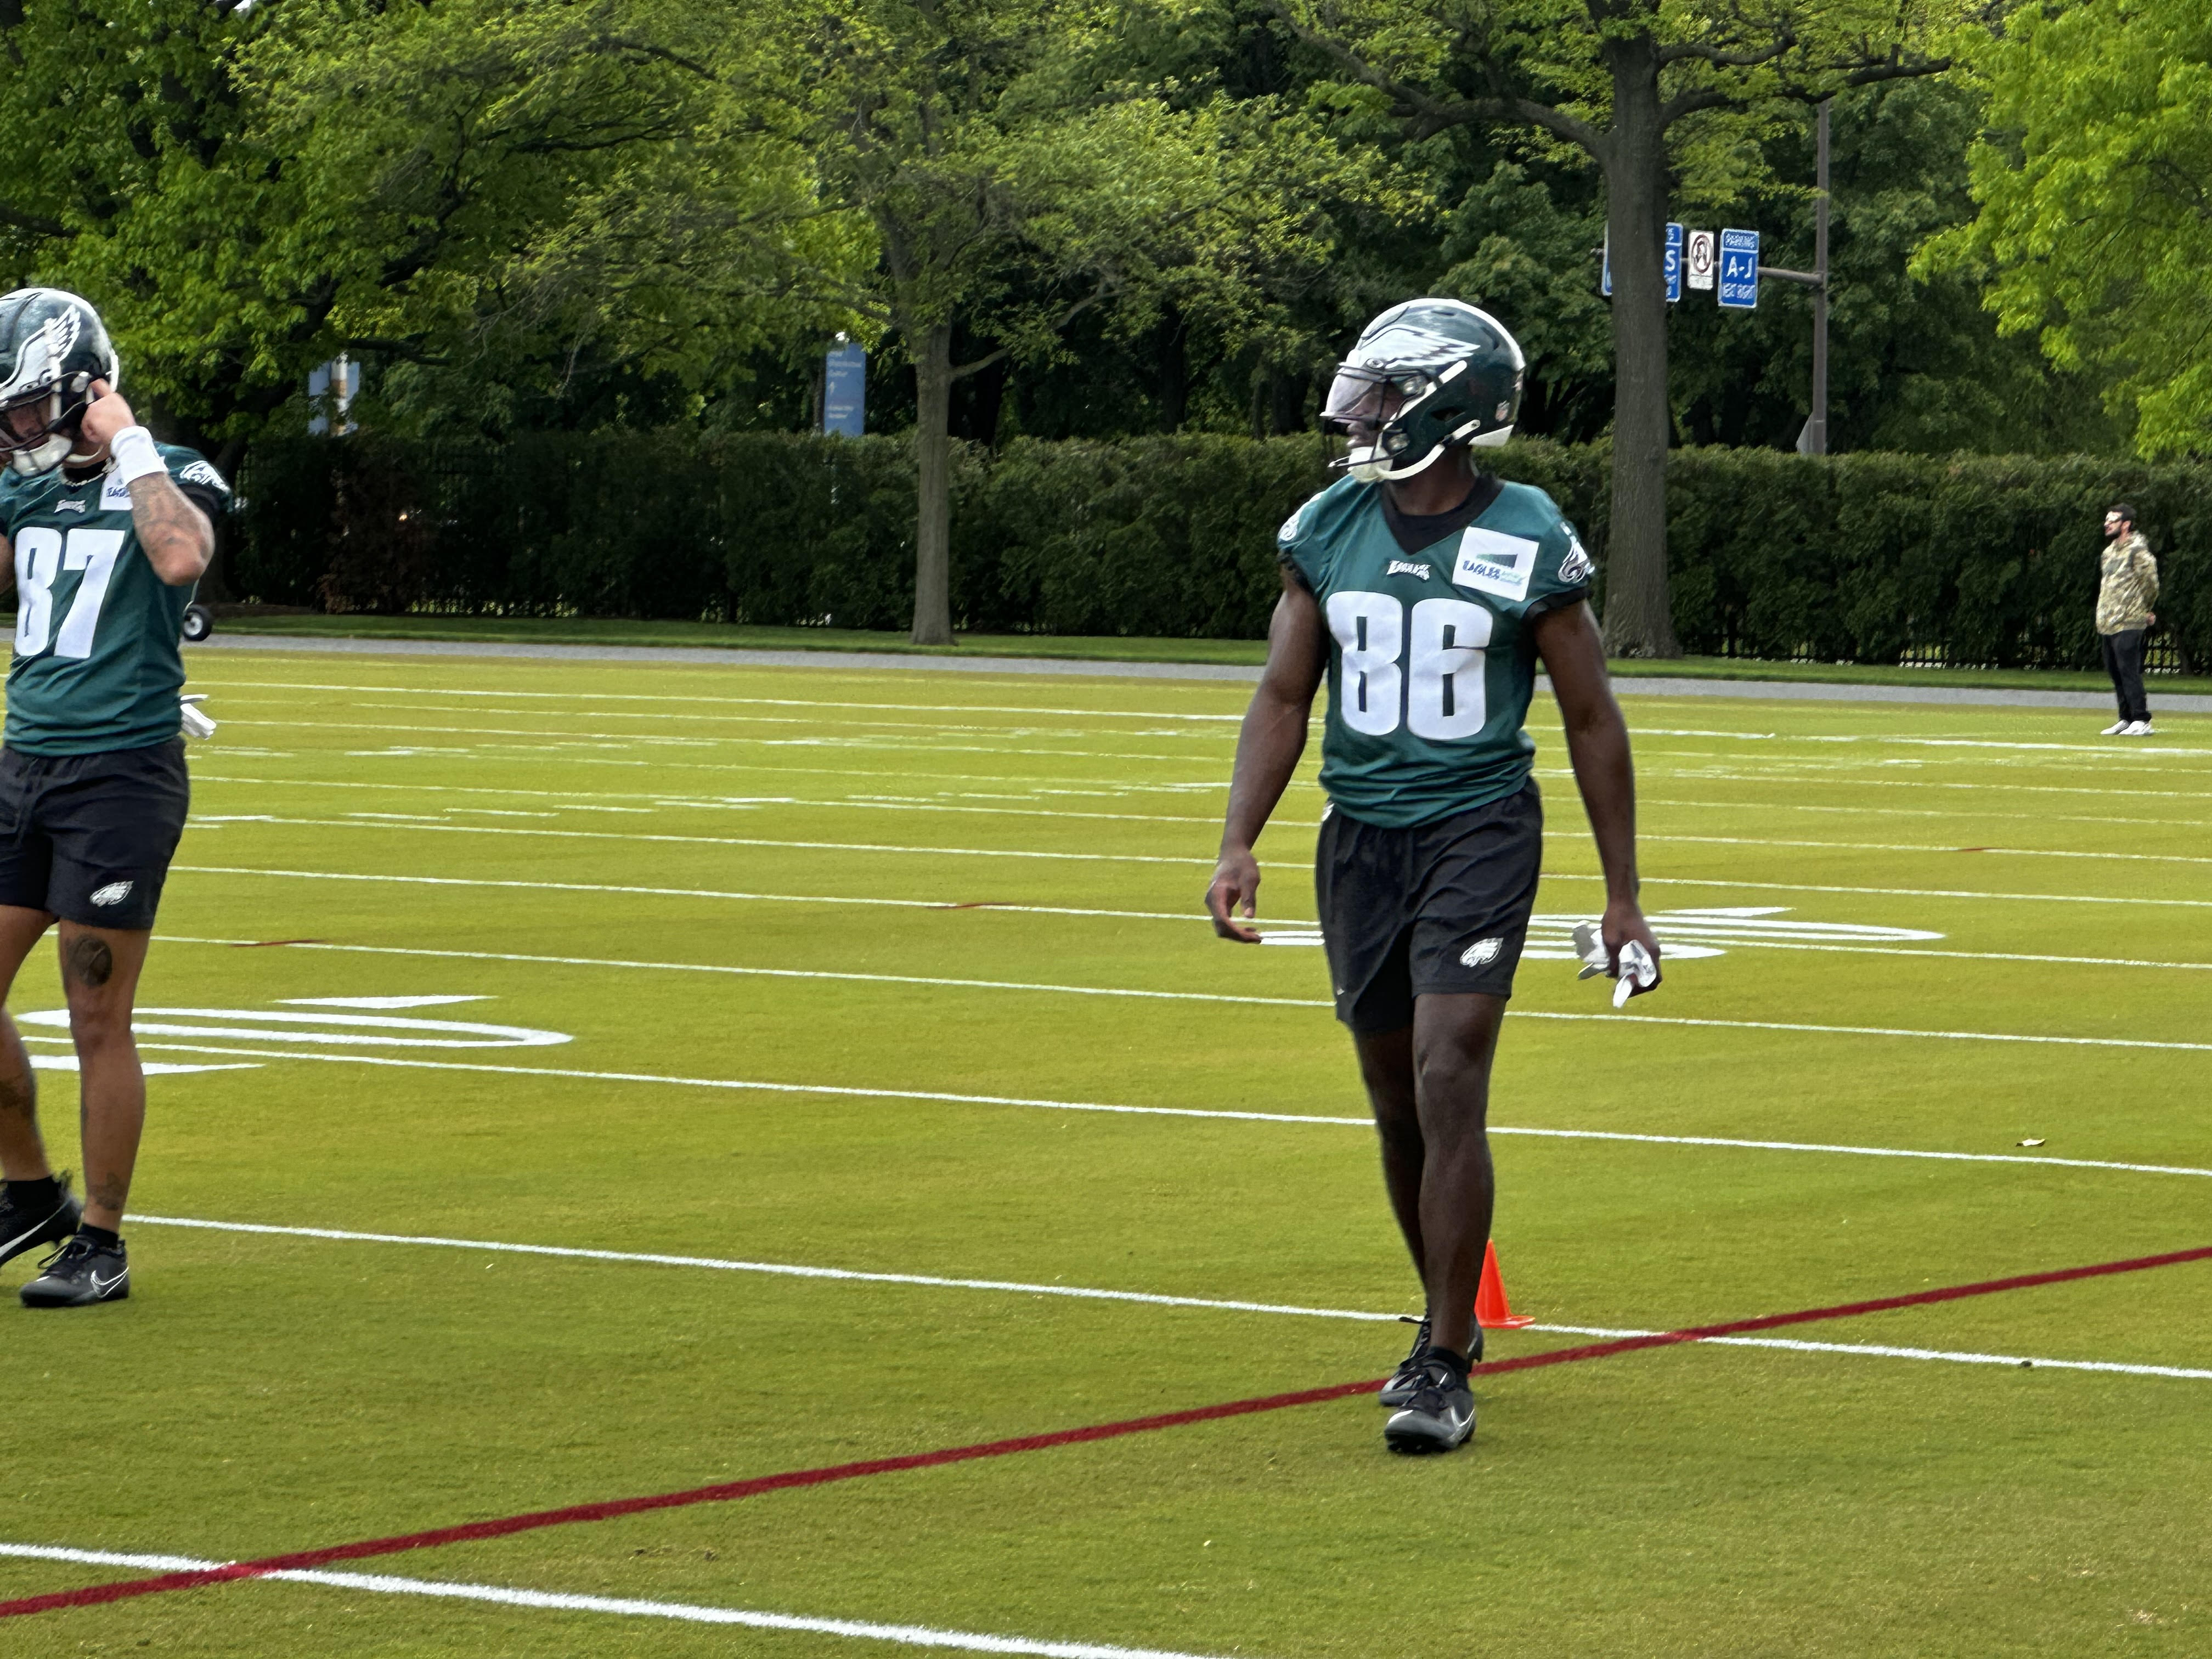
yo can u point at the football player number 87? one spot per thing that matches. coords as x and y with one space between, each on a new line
41 556
1436 686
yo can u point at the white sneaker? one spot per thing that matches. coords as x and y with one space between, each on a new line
2138 729
2118 728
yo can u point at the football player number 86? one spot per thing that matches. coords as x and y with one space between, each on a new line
1436 687
41 556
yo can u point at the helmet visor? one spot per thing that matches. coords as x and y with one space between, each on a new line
27 420
1362 401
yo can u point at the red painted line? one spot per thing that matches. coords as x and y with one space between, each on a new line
729 1491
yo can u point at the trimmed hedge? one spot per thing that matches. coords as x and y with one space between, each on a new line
1864 558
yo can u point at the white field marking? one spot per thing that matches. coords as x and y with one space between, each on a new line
665 798
885 803
434 827
1976 814
561 741
848 1091
572 699
1880 1350
1889 892
374 1030
1910 846
377 1583
812 722
377 1002
1083 1293
773 1269
1204 996
152 1068
1921 782
711 893
383 822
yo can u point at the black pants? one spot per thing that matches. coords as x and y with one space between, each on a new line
2124 655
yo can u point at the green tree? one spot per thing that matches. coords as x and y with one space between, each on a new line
1648 91
1016 173
2095 187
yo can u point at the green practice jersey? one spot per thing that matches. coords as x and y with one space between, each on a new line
97 662
1432 661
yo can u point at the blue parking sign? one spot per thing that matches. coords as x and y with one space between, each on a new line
1675 264
1739 273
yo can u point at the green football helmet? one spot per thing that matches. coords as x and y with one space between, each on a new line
1425 377
52 347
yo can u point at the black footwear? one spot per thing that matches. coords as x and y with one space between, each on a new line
1403 1381
1439 1416
1399 1390
80 1273
25 1228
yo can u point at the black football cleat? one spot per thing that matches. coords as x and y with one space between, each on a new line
1399 1388
1439 1417
79 1274
24 1227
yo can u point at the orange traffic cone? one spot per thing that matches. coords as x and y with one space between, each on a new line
1492 1311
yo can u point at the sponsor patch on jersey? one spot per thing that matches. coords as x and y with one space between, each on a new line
1408 568
116 497
1482 950
1577 566
1490 563
114 893
200 472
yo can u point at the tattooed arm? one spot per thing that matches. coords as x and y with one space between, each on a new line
178 538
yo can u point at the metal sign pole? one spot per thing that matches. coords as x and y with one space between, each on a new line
1817 436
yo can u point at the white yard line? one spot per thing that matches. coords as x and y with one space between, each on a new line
851 1091
773 1269
1200 996
1883 1351
570 738
788 1270
593 699
424 826
1272 925
912 1635
1893 892
1911 846
711 893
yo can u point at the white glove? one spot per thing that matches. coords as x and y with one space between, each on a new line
197 724
1635 971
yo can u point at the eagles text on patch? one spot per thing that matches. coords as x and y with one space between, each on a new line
1490 563
1407 568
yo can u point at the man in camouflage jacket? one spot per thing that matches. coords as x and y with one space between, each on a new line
2124 616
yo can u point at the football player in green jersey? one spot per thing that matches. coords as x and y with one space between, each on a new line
1425 591
106 532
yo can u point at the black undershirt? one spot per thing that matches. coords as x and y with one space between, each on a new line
1417 531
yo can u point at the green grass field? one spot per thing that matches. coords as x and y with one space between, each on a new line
737 936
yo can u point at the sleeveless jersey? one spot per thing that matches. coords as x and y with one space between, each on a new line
1432 663
97 661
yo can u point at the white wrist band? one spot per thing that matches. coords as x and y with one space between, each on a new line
135 455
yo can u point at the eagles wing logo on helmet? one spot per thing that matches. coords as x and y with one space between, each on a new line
1425 377
52 347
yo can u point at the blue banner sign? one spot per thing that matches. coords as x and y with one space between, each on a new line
1673 264
845 391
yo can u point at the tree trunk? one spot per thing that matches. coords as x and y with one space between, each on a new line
932 450
1639 621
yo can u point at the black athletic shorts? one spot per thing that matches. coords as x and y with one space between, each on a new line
1441 907
89 837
